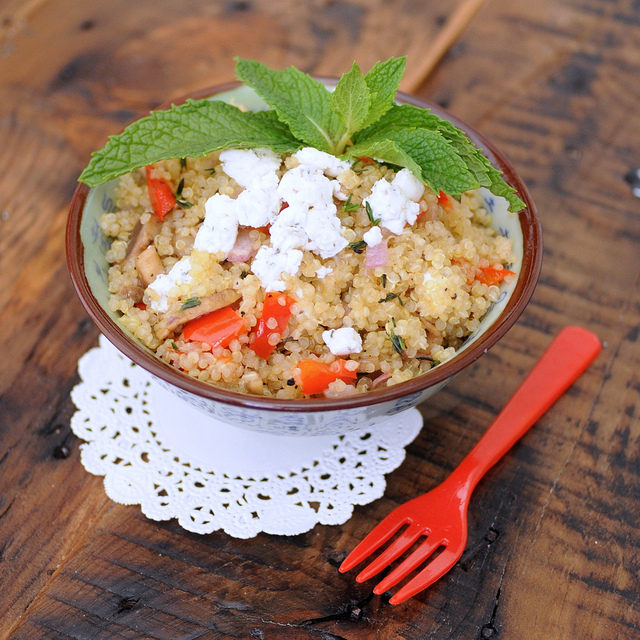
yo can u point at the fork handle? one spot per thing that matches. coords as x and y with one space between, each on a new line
568 356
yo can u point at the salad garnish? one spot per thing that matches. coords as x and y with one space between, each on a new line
358 119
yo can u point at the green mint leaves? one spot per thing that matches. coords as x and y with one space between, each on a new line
359 118
191 129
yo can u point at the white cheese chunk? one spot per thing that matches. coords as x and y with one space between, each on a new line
305 186
256 171
409 185
162 285
325 232
343 341
373 236
259 203
310 221
390 204
220 227
246 166
323 272
269 264
337 191
325 162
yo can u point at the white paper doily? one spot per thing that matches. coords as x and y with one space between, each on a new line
155 450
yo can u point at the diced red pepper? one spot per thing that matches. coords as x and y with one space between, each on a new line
217 328
367 160
491 275
160 193
278 307
140 305
315 376
445 201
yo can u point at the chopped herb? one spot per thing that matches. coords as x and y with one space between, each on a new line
374 221
190 302
244 274
383 278
183 163
179 200
350 207
291 382
358 247
210 169
428 358
397 342
391 296
174 346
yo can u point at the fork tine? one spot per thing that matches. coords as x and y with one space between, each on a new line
432 572
382 532
408 565
395 549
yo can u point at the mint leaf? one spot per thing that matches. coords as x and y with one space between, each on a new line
406 117
500 188
386 150
300 102
191 129
439 165
350 101
442 168
383 81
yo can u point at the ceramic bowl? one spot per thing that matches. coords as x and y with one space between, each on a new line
86 247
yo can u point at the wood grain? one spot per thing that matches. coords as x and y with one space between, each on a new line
553 534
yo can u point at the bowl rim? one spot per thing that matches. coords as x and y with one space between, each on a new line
145 358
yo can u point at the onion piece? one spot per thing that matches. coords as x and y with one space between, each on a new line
243 248
380 380
376 256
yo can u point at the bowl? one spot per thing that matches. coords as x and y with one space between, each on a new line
86 246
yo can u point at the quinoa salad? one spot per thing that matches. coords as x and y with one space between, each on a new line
299 274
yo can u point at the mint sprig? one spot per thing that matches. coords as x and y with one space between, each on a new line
192 129
359 118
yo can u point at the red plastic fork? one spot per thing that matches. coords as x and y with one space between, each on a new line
441 514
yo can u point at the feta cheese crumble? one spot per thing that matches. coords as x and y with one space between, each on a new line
343 341
162 285
310 221
409 185
220 227
247 166
269 264
373 236
390 204
323 272
324 162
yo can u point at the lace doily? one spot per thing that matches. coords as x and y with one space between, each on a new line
155 450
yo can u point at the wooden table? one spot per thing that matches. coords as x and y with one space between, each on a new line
554 537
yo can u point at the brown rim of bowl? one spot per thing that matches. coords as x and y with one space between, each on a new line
525 285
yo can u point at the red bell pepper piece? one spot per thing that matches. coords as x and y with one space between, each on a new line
491 275
217 328
278 307
445 201
315 376
161 194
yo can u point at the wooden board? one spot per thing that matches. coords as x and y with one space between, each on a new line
554 537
